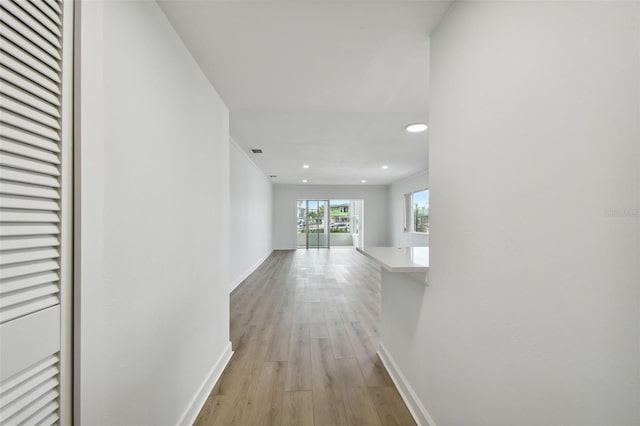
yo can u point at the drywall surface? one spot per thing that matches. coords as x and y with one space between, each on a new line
250 213
375 215
531 314
155 314
397 190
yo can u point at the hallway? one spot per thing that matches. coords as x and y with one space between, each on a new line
304 332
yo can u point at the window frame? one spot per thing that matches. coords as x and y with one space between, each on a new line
409 219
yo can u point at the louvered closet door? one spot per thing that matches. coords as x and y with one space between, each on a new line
35 211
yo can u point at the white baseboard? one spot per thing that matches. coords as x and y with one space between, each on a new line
248 272
419 413
197 402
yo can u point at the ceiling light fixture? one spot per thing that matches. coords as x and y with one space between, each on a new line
305 166
363 181
385 167
304 181
416 127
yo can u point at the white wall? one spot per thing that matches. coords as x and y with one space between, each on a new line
250 209
376 212
531 315
154 159
397 190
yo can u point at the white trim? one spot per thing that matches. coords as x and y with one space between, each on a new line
404 179
418 411
197 402
248 272
89 404
66 219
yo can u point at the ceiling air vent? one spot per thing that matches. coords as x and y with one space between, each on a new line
273 176
256 150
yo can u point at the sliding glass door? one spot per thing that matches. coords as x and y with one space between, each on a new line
313 224
329 223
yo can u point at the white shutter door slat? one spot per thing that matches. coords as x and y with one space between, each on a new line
47 11
24 83
54 5
28 125
28 151
28 203
29 46
11 271
17 27
27 111
32 305
7 215
23 387
29 22
41 18
29 99
20 68
17 135
22 242
11 188
47 416
38 398
19 162
35 147
28 295
24 176
32 295
17 389
30 61
21 283
15 380
26 255
25 229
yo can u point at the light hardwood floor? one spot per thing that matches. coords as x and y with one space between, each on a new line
304 328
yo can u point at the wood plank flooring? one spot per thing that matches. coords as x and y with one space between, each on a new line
304 328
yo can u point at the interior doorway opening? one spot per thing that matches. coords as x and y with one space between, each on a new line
326 223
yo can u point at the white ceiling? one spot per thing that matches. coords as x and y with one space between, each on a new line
331 84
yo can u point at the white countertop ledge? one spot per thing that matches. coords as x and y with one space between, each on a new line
399 259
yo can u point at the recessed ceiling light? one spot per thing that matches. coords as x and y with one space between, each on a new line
305 166
385 167
416 127
304 181
363 181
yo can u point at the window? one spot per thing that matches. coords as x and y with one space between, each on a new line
416 211
339 216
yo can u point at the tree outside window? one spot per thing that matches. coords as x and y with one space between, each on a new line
421 211
416 211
